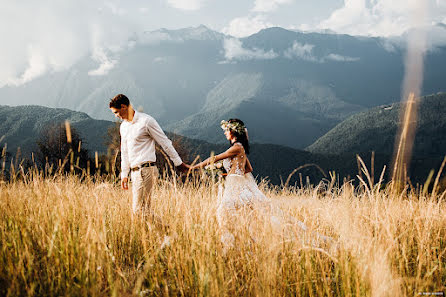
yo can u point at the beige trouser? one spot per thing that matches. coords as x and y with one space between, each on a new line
142 184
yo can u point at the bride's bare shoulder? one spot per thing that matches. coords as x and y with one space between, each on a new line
232 151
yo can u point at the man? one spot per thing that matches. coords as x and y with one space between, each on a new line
139 132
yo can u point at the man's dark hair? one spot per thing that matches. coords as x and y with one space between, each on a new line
118 100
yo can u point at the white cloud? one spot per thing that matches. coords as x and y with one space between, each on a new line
234 51
354 11
51 35
383 17
186 4
305 52
269 5
389 45
160 60
436 37
37 66
301 51
246 26
106 63
339 58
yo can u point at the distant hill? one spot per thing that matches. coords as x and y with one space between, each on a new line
21 126
289 87
375 130
291 113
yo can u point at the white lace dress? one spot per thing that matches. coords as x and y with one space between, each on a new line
240 190
241 194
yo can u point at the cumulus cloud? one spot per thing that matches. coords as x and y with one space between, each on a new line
389 45
105 63
436 37
269 5
399 19
36 67
51 35
186 4
301 51
245 26
254 22
381 17
305 52
340 58
234 51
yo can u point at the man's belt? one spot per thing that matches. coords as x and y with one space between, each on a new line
146 164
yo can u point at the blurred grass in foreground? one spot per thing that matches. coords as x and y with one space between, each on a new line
66 235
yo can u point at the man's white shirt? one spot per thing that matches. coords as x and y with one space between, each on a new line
138 142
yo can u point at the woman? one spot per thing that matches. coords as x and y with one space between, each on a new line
241 196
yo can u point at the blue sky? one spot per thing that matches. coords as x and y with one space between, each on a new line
51 35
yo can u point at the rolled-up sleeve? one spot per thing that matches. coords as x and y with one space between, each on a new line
158 135
125 164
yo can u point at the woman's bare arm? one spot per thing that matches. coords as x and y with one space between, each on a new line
231 152
248 167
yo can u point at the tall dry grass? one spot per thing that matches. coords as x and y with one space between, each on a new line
67 236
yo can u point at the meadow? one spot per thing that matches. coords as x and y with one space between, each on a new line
71 235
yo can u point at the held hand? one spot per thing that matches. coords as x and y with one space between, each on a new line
125 183
195 167
183 167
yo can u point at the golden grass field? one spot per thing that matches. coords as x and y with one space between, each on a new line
63 236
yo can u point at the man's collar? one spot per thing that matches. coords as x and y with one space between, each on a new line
135 117
131 110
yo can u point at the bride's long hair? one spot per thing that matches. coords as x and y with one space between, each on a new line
240 137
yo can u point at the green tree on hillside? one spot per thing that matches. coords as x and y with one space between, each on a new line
55 148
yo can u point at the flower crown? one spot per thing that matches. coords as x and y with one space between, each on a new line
234 126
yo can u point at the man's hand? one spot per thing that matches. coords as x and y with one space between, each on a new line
183 167
125 183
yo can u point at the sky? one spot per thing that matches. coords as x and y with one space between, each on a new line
52 35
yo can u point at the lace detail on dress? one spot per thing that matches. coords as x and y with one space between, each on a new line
236 164
241 195
227 164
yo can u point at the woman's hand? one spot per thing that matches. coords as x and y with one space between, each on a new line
195 167
232 151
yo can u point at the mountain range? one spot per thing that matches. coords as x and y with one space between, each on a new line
21 127
375 130
290 88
